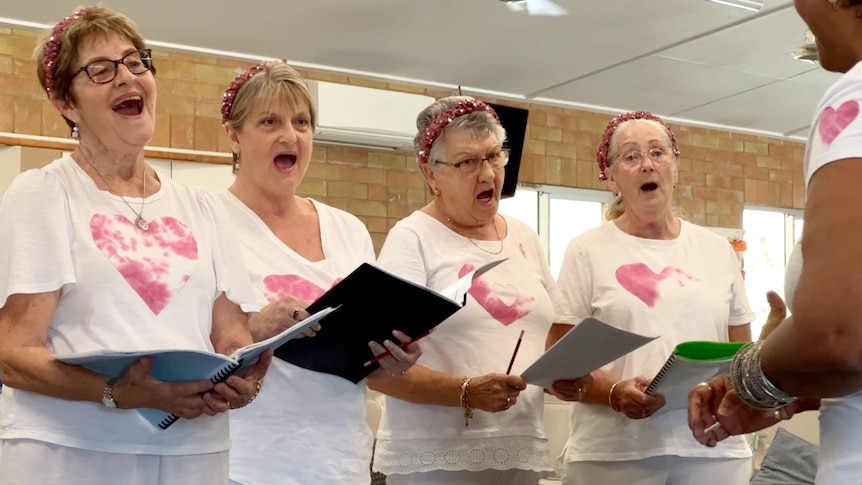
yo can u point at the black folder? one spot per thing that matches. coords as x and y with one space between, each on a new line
370 303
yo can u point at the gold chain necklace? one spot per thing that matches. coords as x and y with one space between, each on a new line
140 222
455 228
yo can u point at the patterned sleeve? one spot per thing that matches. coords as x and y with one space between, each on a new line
35 242
575 285
837 134
232 277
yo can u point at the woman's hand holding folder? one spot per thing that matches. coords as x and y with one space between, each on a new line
278 316
395 359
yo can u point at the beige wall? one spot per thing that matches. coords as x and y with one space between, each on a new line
719 171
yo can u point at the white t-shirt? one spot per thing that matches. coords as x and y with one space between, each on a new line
304 427
688 288
121 289
519 294
836 134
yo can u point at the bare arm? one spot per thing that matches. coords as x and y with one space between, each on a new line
599 388
26 364
230 329
818 351
421 385
739 333
557 331
25 361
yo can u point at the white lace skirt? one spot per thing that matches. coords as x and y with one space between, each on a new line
497 453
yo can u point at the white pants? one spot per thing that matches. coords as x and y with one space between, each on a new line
485 477
28 462
660 470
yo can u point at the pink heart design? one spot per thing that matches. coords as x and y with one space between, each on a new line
156 263
489 299
833 121
277 287
643 283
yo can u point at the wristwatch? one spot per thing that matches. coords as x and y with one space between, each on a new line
108 394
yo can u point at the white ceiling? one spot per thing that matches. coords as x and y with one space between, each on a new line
685 59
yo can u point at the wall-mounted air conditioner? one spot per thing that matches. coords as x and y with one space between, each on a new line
356 115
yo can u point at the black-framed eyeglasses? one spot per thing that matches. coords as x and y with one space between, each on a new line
105 70
497 159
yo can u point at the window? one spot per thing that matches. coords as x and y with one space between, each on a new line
769 236
524 206
569 218
557 214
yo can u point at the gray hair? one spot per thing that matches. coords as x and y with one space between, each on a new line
479 123
617 207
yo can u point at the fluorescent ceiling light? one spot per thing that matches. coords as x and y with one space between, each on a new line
751 5
544 8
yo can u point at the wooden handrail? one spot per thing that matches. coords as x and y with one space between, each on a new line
174 154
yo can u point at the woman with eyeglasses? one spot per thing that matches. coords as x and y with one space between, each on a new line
99 252
649 272
457 416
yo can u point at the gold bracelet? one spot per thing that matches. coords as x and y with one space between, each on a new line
465 400
257 386
611 396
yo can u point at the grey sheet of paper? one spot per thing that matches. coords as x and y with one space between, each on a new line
588 346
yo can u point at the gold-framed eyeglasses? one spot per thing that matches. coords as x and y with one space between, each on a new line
105 70
634 159
470 166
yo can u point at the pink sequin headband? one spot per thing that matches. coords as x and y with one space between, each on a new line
605 145
52 47
234 87
432 132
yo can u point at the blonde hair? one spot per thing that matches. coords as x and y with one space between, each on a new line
274 82
617 206
93 21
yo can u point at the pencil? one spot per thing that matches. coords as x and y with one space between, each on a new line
515 353
404 345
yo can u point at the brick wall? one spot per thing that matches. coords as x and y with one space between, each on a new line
719 171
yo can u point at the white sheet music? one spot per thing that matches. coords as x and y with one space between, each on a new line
588 346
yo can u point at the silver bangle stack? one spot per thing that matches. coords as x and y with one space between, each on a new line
751 383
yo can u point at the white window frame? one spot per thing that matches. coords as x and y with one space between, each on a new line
790 216
546 192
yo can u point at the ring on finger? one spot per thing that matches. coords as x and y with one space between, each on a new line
508 402
712 428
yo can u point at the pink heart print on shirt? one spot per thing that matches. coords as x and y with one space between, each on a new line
156 263
834 121
277 286
643 283
488 297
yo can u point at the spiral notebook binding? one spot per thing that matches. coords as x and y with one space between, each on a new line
220 376
165 423
225 372
658 377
